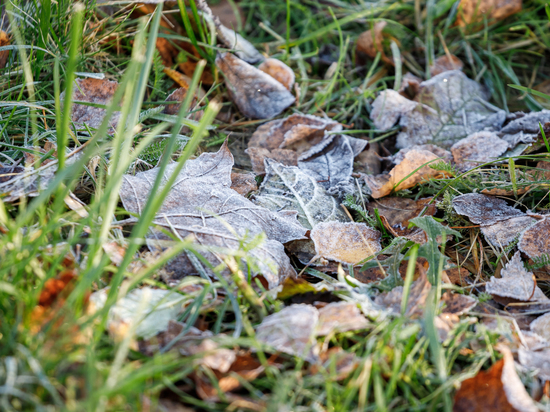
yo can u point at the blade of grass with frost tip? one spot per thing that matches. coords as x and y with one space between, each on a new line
63 128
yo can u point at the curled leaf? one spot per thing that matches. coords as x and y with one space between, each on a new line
414 169
445 63
256 94
279 71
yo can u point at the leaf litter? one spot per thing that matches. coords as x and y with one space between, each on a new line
309 165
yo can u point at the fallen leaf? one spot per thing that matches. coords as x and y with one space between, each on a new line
406 174
115 252
535 241
516 283
448 108
332 166
476 149
446 63
237 43
501 234
459 276
541 326
388 108
348 242
445 155
279 71
202 202
400 210
497 389
291 189
189 66
477 11
178 95
299 286
369 43
340 317
538 361
243 183
284 140
292 331
418 294
153 309
457 304
344 363
93 91
256 94
4 41
483 209
17 182
525 128
410 85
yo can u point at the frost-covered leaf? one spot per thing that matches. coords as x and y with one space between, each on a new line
242 47
284 140
279 71
535 241
516 283
445 155
501 234
448 107
345 242
93 91
292 331
153 309
476 149
256 94
333 165
541 326
538 361
243 183
497 389
415 168
483 209
291 189
202 202
525 128
457 304
340 317
400 210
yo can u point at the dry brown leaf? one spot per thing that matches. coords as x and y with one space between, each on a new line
483 209
340 317
476 149
535 241
93 91
476 11
284 140
279 71
345 242
446 63
399 179
243 183
445 155
256 94
368 161
410 85
498 389
4 41
457 304
202 202
399 210
460 277
516 283
115 252
369 43
189 66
